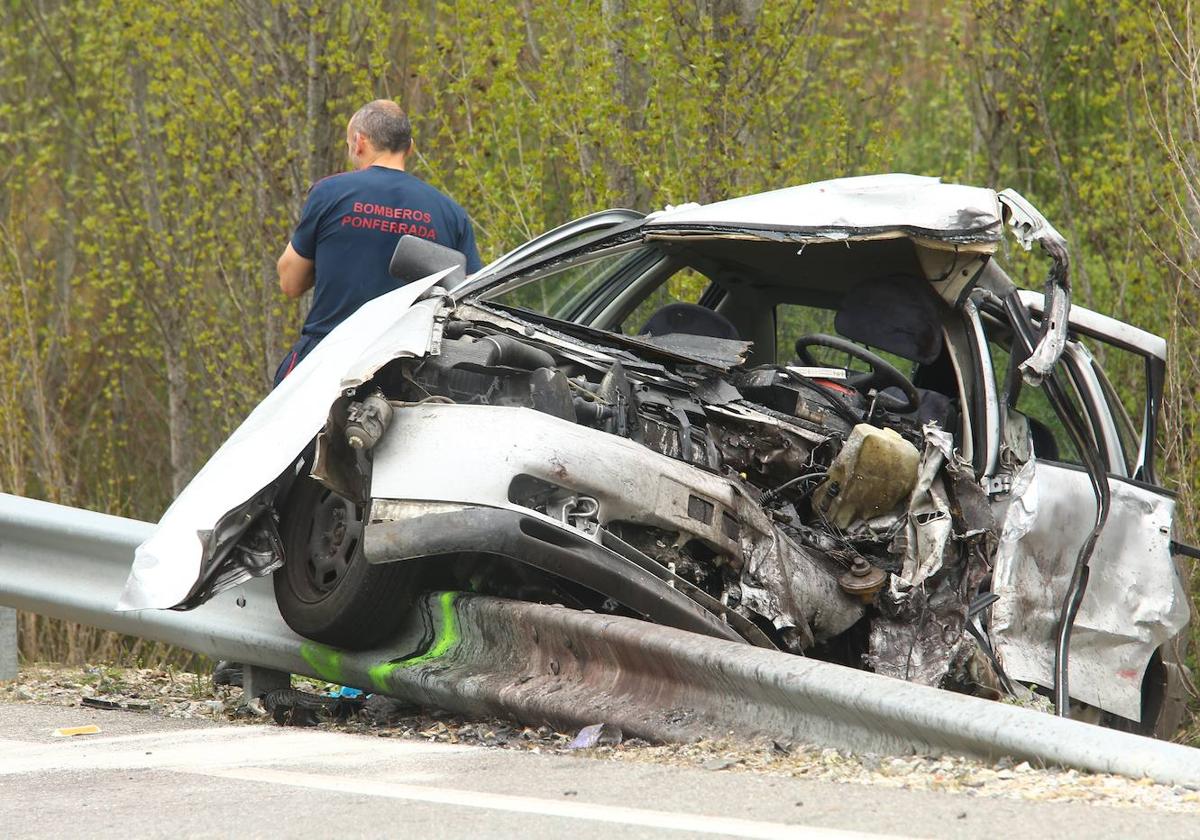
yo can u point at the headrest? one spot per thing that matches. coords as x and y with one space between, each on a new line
689 319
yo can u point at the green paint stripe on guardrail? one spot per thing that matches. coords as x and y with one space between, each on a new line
326 661
444 641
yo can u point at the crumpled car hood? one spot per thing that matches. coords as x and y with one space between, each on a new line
166 566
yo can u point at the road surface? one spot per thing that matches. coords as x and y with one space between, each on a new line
148 776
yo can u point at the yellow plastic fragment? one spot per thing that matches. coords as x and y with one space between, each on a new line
70 731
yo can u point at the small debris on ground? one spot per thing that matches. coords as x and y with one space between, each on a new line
596 735
227 673
97 703
379 710
291 707
72 731
177 694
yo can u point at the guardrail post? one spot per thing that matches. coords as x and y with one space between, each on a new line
8 644
257 681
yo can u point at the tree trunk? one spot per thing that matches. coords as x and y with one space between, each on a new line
622 179
316 115
151 160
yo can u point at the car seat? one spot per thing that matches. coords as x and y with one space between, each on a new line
690 319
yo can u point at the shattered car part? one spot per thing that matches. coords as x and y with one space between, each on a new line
596 735
1031 226
873 472
551 440
366 421
1131 573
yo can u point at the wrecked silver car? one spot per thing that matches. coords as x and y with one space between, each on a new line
822 419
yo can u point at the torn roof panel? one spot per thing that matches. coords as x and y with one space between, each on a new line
1102 327
866 207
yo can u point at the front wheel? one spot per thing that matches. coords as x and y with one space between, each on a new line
326 590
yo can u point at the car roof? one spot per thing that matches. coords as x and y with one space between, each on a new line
859 208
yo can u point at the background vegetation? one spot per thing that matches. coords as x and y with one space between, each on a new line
154 157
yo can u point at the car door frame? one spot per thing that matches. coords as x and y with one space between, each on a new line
554 244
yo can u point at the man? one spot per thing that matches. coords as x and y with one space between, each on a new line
347 233
352 221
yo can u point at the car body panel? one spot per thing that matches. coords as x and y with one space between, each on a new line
166 567
1134 600
629 483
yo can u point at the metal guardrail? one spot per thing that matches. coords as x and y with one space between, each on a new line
8 643
481 655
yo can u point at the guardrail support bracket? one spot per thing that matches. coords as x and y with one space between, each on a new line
257 681
8 644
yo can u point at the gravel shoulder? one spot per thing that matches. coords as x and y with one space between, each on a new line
191 697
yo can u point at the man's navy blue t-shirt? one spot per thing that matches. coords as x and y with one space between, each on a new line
350 226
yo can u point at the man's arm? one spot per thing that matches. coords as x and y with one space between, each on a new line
296 273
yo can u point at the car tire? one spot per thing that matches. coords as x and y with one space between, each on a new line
326 590
1174 689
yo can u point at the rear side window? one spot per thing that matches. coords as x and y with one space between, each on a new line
1051 440
1124 382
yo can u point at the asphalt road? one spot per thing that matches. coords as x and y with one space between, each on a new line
147 776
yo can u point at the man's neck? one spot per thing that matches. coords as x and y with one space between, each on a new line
388 160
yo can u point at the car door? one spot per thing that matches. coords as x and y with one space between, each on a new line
1046 507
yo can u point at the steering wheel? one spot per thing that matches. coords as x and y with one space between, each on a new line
882 374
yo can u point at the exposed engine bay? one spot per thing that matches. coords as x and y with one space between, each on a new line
836 506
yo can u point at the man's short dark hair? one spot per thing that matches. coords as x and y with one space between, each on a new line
384 124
